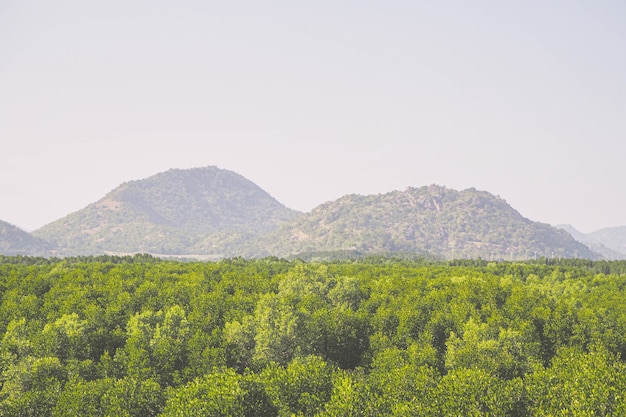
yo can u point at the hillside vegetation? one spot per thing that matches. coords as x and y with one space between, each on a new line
207 211
211 213
434 221
135 336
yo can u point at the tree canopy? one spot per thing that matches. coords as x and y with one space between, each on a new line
139 336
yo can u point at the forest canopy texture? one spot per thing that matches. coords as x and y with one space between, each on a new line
139 336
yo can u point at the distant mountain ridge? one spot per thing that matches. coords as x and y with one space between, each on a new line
612 237
212 213
201 210
432 220
15 241
609 242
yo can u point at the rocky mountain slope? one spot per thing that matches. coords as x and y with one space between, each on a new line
15 241
433 220
207 211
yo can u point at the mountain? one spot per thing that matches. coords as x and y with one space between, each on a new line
432 220
613 238
207 211
605 242
212 213
15 241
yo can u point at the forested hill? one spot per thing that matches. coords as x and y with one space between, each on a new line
434 220
207 211
15 241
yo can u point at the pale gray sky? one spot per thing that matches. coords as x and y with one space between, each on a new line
314 100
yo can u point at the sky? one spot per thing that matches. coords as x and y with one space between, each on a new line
315 100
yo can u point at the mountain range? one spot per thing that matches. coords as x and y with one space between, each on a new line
211 213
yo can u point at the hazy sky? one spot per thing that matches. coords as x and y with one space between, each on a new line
314 100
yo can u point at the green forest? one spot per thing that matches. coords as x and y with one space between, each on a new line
140 336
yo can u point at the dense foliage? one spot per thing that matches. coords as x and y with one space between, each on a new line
137 336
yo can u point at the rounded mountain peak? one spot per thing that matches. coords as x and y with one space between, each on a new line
198 210
201 199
